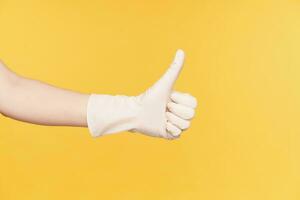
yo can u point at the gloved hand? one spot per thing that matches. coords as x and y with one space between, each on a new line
157 112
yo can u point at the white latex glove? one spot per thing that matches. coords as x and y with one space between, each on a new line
158 112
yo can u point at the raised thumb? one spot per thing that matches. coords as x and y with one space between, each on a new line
172 73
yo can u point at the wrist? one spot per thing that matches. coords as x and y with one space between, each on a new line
108 114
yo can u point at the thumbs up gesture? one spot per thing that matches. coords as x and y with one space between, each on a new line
158 112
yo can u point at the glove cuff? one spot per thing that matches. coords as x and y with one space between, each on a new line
109 114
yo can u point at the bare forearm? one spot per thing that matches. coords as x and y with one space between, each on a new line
37 102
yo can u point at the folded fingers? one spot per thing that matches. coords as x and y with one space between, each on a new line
177 121
184 99
181 109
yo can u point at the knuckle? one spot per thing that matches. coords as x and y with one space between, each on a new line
190 114
186 125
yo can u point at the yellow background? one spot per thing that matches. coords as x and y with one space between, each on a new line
243 65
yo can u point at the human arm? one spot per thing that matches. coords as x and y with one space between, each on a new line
37 102
158 111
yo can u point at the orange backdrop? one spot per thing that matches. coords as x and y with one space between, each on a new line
243 65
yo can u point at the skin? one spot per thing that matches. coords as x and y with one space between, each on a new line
24 99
